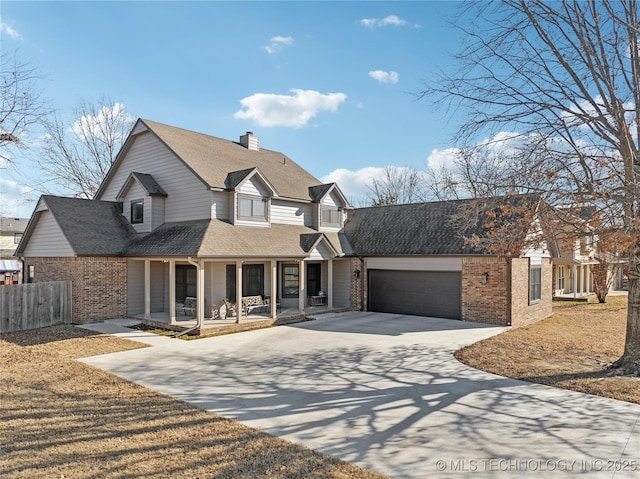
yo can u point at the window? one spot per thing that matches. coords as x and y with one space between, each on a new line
290 280
186 282
331 216
252 280
252 208
32 274
17 237
561 278
535 277
137 211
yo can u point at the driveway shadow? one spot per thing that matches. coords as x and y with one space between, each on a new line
395 405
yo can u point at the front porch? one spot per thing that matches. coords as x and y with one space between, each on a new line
295 287
229 325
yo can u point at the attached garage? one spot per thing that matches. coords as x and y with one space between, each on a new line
420 293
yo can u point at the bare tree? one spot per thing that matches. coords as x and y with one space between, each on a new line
22 105
397 185
565 77
79 156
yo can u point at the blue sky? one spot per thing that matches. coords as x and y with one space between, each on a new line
330 84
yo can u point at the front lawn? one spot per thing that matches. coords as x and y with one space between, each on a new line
60 418
569 350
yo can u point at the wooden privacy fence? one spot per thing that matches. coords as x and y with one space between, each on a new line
34 305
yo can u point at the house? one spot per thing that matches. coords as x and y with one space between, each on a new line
187 215
574 250
11 230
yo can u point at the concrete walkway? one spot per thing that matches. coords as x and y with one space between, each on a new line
384 392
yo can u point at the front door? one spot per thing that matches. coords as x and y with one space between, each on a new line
314 284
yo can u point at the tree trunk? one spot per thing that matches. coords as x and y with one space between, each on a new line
629 363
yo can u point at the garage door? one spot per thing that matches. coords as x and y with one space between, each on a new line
420 293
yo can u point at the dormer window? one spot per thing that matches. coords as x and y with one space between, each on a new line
252 208
137 211
331 216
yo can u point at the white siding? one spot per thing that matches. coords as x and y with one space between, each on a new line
331 201
341 284
218 274
320 252
157 211
290 213
221 205
136 192
140 127
47 238
416 264
253 187
135 287
188 198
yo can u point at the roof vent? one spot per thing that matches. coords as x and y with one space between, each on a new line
250 141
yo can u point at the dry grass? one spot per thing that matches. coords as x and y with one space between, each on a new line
569 350
60 418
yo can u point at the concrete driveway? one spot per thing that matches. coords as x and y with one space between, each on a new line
383 391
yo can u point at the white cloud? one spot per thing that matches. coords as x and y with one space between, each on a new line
439 158
354 184
384 77
277 43
8 29
16 200
390 20
294 111
97 125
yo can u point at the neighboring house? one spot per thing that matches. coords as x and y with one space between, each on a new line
183 214
11 230
575 256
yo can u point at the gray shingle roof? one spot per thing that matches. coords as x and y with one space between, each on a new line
93 228
171 239
212 159
316 193
236 177
216 238
422 228
149 184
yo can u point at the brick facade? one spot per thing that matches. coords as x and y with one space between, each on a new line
98 284
485 303
521 311
358 293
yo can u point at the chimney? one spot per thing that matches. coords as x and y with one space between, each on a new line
250 142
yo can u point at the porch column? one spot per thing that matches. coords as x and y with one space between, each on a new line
200 293
582 281
238 291
172 291
574 286
330 284
274 289
147 289
302 286
588 280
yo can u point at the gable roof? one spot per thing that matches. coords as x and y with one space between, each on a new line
423 228
318 192
146 181
92 228
212 159
236 178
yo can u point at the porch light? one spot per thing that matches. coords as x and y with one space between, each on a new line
484 277
356 273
